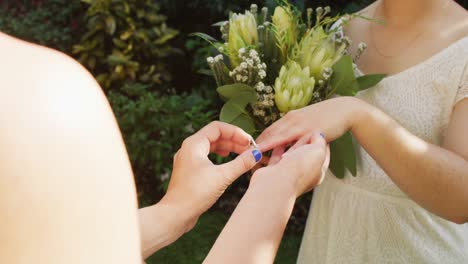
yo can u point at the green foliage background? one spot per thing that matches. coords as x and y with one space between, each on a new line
149 67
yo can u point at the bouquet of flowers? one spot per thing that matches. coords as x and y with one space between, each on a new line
271 64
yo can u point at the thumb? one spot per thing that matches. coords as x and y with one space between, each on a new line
240 165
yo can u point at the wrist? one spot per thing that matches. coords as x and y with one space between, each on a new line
356 110
273 183
179 216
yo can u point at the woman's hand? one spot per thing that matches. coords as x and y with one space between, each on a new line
332 117
254 231
196 183
301 168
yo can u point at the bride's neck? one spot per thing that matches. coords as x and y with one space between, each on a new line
406 12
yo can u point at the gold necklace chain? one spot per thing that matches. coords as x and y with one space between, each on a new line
409 45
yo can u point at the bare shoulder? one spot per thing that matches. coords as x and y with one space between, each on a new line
65 171
454 22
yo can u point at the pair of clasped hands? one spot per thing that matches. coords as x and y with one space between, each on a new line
295 166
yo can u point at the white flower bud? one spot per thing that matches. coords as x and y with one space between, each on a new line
219 57
253 53
362 46
262 74
253 8
243 65
268 89
210 60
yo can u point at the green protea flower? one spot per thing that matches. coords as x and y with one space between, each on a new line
285 24
293 87
319 51
242 33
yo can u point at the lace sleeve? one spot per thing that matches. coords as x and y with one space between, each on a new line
463 87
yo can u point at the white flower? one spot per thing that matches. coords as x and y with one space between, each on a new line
239 77
253 53
362 46
250 62
219 58
316 95
268 89
241 51
253 8
262 74
210 60
243 65
259 87
221 49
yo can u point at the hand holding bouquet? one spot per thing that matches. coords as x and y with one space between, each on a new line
269 65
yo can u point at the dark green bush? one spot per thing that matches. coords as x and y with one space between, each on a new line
126 41
53 23
154 127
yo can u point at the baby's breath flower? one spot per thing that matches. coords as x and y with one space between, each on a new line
218 58
319 11
210 60
253 8
262 74
362 46
268 89
253 53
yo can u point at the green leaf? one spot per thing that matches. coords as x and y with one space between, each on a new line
235 90
368 81
218 24
343 156
245 122
343 81
229 112
234 108
204 36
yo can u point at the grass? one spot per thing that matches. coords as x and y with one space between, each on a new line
195 245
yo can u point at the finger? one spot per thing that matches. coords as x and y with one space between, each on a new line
240 165
301 142
326 163
222 153
229 146
216 131
274 136
200 143
301 155
276 155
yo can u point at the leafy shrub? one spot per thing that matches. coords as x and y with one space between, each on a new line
126 41
154 127
53 23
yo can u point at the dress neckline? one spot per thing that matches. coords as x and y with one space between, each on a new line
421 63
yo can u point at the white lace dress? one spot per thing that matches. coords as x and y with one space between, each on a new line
368 219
